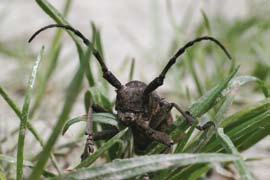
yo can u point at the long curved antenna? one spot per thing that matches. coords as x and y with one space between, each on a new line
158 81
109 76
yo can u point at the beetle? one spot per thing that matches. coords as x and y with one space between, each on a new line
137 104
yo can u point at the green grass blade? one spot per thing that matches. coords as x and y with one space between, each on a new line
179 149
12 160
183 142
229 147
10 102
249 112
98 44
93 157
241 80
104 118
24 116
18 51
56 16
44 81
206 22
54 52
72 121
72 94
210 98
2 176
99 98
131 71
34 132
192 172
194 74
128 168
88 71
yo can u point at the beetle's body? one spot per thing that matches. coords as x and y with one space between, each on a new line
137 104
132 111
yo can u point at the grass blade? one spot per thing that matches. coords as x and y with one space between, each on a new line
12 160
131 71
72 93
104 118
99 98
210 98
72 121
34 132
181 145
24 117
192 172
206 22
54 52
10 102
194 74
88 71
57 17
241 80
128 168
229 147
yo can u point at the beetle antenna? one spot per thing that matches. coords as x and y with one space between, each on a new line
109 76
158 81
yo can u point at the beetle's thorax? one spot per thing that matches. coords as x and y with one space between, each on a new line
129 101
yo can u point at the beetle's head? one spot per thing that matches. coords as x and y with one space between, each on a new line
129 101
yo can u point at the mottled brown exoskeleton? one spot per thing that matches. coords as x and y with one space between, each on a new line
137 104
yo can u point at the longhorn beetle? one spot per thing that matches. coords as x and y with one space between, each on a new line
137 104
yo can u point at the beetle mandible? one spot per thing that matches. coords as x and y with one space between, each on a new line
137 104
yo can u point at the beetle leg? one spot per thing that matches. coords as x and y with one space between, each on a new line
154 134
88 148
191 120
162 119
91 137
206 125
89 145
105 134
159 137
102 135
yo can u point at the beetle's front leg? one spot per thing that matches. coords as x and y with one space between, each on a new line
89 144
190 118
91 137
154 134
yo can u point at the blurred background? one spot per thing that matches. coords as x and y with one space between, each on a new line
148 32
